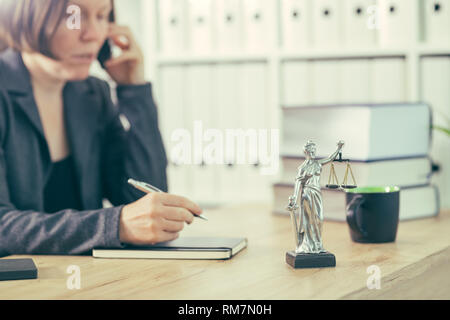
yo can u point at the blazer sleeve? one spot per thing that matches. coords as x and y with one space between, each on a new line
64 232
132 144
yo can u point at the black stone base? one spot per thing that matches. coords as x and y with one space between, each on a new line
310 260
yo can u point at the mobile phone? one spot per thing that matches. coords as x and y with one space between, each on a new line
105 52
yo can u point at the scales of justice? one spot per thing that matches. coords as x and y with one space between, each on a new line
307 223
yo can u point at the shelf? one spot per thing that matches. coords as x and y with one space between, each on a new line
307 54
210 58
332 53
426 50
365 52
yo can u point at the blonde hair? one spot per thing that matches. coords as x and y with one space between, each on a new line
29 25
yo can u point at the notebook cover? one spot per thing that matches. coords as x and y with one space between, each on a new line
186 244
17 269
193 243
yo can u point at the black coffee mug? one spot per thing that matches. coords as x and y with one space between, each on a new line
373 213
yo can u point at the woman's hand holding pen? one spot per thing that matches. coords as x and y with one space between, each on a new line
156 217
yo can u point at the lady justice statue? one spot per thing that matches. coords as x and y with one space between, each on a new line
309 252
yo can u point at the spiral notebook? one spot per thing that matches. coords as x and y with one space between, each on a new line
196 248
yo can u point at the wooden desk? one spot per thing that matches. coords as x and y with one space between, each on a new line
416 266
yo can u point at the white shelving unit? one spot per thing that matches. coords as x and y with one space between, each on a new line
274 55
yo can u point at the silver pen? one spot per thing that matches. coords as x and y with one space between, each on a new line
147 188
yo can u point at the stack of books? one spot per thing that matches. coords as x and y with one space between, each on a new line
386 144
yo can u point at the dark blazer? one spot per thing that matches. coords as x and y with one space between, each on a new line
107 150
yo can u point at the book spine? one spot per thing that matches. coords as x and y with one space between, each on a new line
18 275
299 158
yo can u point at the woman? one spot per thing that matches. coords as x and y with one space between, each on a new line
309 233
64 146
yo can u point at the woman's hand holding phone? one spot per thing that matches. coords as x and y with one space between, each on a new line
128 68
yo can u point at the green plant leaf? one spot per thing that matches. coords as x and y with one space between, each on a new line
445 130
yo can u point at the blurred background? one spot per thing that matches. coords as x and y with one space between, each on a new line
237 64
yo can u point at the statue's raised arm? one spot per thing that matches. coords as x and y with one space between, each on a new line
334 155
